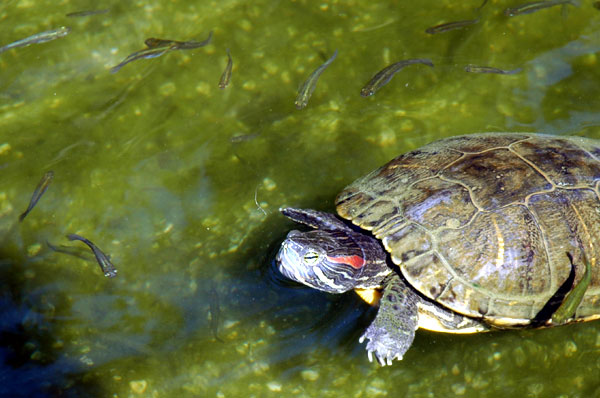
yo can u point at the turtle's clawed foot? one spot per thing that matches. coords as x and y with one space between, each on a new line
383 346
393 330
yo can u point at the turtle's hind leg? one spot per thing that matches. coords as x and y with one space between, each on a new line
561 307
575 296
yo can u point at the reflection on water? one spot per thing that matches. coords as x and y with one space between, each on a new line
180 182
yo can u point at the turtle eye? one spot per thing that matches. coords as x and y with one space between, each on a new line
311 258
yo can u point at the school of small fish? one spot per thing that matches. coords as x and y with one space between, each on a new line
156 47
384 76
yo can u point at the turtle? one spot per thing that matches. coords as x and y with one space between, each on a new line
468 234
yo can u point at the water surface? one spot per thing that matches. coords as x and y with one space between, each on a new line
180 182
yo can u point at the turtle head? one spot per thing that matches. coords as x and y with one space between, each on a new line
334 260
320 260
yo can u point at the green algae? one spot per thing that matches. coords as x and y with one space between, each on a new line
145 167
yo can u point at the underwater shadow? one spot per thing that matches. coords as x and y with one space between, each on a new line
31 361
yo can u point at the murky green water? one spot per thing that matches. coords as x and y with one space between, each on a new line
147 166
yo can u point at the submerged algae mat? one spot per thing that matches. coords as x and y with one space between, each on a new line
179 182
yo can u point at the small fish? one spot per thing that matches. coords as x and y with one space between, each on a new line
188 45
308 87
243 138
226 76
445 27
153 42
490 69
481 6
157 47
87 13
215 312
70 250
38 38
39 191
386 74
528 8
107 267
146 53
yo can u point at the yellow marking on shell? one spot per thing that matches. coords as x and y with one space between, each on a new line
500 254
468 293
371 296
507 323
430 320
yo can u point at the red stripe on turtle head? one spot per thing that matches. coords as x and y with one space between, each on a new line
354 261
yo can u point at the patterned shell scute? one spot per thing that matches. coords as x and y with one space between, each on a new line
500 252
496 178
435 203
389 180
575 167
482 223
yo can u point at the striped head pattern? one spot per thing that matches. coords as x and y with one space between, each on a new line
334 261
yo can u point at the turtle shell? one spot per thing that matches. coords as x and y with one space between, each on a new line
482 223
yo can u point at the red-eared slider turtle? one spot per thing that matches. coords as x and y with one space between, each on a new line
484 231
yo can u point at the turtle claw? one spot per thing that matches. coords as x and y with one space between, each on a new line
382 348
381 359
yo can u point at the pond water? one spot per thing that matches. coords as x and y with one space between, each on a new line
180 182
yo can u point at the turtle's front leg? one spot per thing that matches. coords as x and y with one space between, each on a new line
393 330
